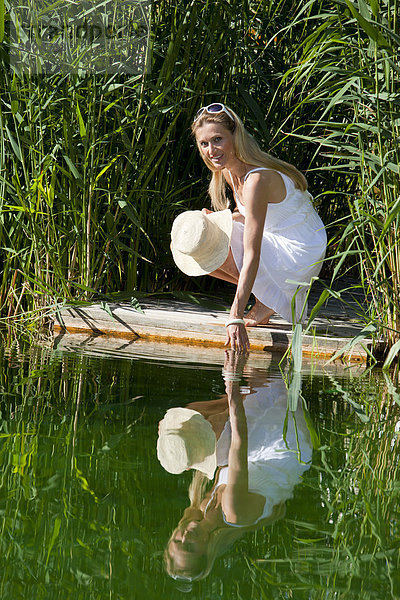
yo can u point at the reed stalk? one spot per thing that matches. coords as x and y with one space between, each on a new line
349 74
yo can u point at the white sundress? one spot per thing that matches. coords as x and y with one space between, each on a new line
292 249
276 462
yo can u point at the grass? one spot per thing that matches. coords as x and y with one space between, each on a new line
348 73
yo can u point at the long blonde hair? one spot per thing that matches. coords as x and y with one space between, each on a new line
220 540
247 150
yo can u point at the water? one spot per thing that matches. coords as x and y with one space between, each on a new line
87 509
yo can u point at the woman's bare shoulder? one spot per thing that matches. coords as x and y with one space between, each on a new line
242 509
268 183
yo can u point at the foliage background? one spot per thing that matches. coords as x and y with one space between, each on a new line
94 168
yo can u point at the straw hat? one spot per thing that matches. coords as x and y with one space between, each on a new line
200 242
186 441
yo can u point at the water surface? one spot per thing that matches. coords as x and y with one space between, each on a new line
87 509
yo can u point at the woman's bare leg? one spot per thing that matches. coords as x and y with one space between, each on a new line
228 271
259 314
224 276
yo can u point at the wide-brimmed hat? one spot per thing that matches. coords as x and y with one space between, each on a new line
186 441
200 242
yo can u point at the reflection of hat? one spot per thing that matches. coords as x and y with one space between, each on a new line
186 441
200 242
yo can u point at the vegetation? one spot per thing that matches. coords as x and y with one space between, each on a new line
351 549
94 167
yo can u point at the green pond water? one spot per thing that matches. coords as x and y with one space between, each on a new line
87 510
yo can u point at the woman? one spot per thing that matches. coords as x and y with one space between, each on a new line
277 236
258 468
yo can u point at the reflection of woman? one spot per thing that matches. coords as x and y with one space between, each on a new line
257 472
277 236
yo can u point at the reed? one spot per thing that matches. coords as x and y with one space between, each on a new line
348 72
93 168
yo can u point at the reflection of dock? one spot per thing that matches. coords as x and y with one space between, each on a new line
186 355
181 322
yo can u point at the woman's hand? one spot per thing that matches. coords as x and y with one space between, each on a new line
232 372
234 363
237 338
205 211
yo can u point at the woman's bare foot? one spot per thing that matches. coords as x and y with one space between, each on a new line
258 315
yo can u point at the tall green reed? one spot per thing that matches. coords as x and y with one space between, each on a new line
95 167
348 72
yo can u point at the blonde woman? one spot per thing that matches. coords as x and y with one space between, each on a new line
258 467
276 238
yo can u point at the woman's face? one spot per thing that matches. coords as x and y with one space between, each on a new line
216 144
189 543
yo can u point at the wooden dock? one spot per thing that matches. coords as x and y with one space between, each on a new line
174 321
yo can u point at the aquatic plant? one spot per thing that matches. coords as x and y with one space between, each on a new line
348 72
93 168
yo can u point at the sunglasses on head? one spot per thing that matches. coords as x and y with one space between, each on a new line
213 109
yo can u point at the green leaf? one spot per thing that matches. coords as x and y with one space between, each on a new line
297 348
107 308
14 101
372 32
81 577
82 128
316 442
86 288
56 531
2 14
391 388
359 338
374 4
117 242
393 352
135 304
294 391
130 212
72 167
14 144
315 309
104 169
358 409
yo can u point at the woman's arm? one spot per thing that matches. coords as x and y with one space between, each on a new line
258 191
239 505
255 199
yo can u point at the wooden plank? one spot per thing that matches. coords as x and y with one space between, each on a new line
181 322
